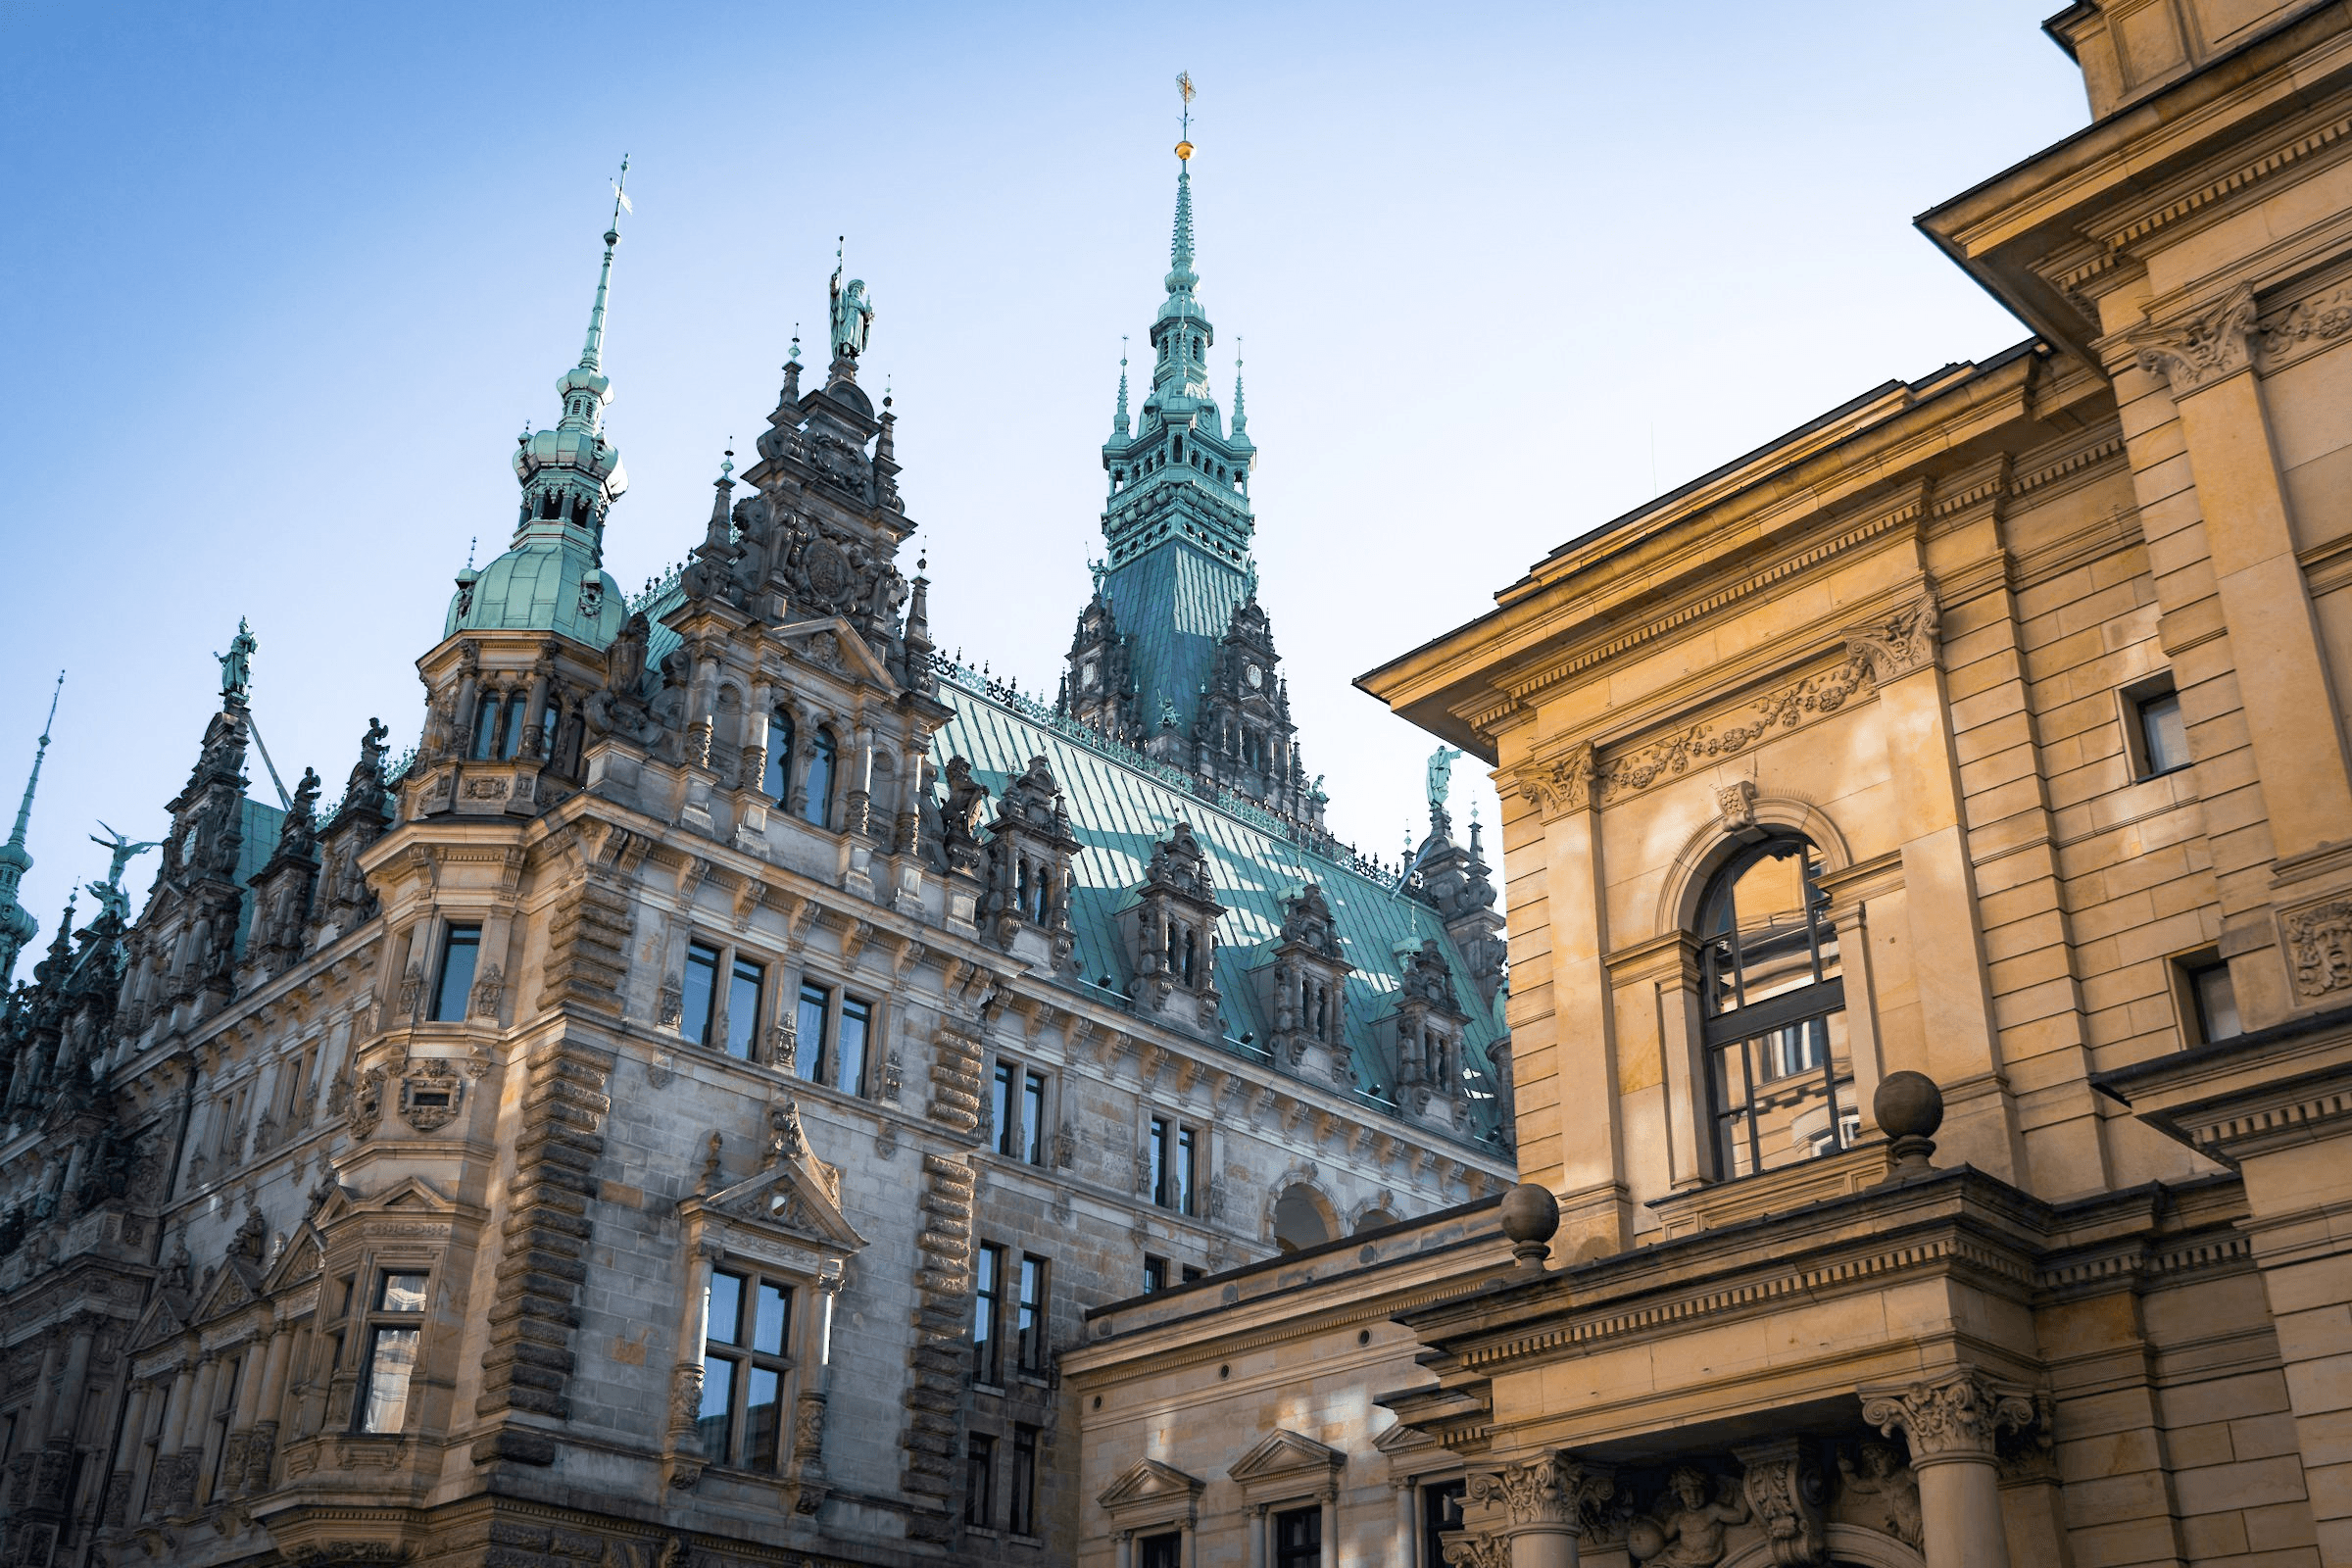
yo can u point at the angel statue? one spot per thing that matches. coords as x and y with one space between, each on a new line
112 900
853 315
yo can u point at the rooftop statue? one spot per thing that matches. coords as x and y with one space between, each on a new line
236 665
853 315
111 898
1440 775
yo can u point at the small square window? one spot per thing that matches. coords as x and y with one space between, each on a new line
1155 1274
2156 730
2213 1002
401 1292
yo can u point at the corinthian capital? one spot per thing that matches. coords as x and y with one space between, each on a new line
2202 347
1955 1416
1555 1491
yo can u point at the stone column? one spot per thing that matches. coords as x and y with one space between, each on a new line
1545 1497
1257 1534
1951 1422
1408 1526
117 1505
1125 1541
861 779
260 1448
686 1457
167 1439
41 1411
1330 1532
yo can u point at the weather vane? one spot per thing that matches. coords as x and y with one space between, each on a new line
1184 85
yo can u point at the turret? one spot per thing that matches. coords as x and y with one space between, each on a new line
18 926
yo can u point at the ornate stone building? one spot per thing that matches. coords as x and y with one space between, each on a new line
1929 855
681 1111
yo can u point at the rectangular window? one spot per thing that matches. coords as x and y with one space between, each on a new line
1021 1510
384 1402
744 985
979 1481
1032 1117
1155 1274
988 1300
1029 1321
1167 1551
2163 735
461 946
2212 999
1298 1539
1441 1512
1191 1274
1000 1108
849 1064
747 1327
1172 1164
808 1043
701 993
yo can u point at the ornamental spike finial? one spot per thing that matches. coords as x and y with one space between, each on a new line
1241 411
1181 276
1119 423
592 352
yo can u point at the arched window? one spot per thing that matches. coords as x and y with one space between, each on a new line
1191 951
486 725
518 720
779 755
819 806
1774 1000
1302 1219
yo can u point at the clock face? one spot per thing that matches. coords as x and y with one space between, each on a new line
1255 675
1087 673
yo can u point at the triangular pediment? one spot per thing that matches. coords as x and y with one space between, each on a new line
1283 1452
1148 1481
1399 1438
300 1261
167 1314
409 1195
851 656
234 1284
794 1192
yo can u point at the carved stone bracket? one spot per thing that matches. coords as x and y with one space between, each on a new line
1956 1416
1785 1490
2202 349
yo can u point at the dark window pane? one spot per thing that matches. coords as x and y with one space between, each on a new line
988 1289
2216 1003
809 1048
1181 1195
719 1396
848 1067
517 719
391 1360
702 991
1021 1506
1031 1322
819 805
1032 1119
725 1302
460 947
1165 1551
401 1292
1298 1539
1000 1108
979 1481
743 1008
779 753
773 1320
485 727
1160 1161
2163 733
1156 1275
762 1418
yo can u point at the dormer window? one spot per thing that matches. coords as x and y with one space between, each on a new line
1773 998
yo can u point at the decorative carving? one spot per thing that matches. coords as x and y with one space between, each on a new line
2319 946
1564 784
2204 347
1550 1488
2304 326
489 992
672 1002
1464 1548
783 1044
1956 1415
1902 642
1884 1491
1686 1527
1736 802
1784 1488
429 1096
368 1103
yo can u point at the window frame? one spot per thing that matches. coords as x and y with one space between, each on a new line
980 1480
2132 701
448 943
1017 1088
1749 1031
1020 1498
836 1005
1166 1136
375 1320
745 1358
1032 1315
988 1314
2198 1024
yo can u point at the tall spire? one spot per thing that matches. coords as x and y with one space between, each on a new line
1118 422
592 352
1240 413
16 923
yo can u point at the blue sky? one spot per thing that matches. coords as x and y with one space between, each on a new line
281 283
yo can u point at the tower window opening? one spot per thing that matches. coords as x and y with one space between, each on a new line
818 808
1191 951
518 720
551 505
486 726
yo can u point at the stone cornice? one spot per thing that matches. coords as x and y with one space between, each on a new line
2275 1087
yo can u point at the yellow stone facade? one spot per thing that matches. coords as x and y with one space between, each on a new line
1991 729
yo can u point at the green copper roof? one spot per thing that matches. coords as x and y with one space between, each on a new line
1119 810
1173 603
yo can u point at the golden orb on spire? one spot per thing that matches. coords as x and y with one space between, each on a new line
1184 150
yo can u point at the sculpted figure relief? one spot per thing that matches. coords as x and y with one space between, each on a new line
1687 1526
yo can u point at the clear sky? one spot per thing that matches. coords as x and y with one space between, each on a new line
280 284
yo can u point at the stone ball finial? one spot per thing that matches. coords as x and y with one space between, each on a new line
1531 1218
1909 1107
